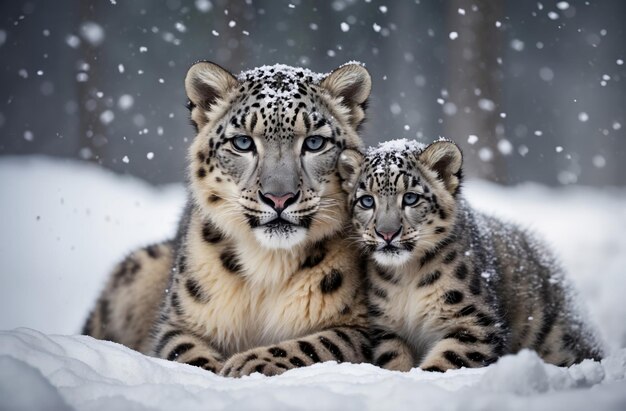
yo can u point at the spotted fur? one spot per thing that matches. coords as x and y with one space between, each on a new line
260 277
449 286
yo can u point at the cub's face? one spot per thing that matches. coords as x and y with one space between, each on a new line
402 197
265 157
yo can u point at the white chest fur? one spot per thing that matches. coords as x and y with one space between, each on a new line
414 312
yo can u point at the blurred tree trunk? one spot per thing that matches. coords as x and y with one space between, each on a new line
92 133
473 85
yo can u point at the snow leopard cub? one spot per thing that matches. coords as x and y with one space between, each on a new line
449 286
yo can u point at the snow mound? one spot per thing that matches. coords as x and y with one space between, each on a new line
78 372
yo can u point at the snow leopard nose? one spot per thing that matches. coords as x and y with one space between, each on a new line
279 201
388 236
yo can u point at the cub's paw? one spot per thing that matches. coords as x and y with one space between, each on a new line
267 361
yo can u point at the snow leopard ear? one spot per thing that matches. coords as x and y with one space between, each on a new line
206 84
444 158
349 167
353 84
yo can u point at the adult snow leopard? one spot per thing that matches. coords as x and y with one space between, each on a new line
449 286
259 277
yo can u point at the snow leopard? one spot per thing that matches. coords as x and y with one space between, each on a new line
450 287
259 277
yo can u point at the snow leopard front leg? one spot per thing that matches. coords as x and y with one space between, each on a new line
341 344
467 346
174 340
176 344
390 351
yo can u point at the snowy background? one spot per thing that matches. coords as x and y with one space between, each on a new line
93 135
540 84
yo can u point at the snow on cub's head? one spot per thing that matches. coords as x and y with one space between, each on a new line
403 196
264 161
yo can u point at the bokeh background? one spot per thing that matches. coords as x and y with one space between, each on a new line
532 90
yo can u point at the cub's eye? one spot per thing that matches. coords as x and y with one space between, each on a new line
242 143
410 199
314 143
366 201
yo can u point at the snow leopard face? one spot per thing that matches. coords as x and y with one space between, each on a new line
402 197
264 160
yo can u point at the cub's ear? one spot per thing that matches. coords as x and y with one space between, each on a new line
349 167
444 158
352 83
205 84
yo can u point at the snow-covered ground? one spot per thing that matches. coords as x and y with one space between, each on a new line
64 224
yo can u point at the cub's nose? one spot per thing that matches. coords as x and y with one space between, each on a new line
388 235
279 201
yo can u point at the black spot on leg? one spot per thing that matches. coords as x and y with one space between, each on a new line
344 337
475 284
453 297
198 362
429 279
179 350
331 282
476 357
332 348
201 172
385 358
461 271
455 359
463 336
549 318
166 338
374 310
440 230
366 350
308 350
465 311
497 342
277 352
450 257
250 357
297 362
484 320
259 368
569 342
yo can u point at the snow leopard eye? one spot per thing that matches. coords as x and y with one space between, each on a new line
366 201
314 143
242 143
410 199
